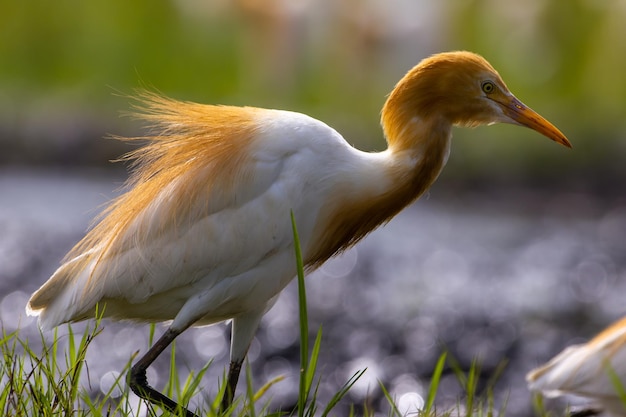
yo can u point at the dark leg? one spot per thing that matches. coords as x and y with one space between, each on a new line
243 328
231 385
139 383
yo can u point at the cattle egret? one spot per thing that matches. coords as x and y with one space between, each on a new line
595 370
204 233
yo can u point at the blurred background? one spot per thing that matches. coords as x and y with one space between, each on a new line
532 231
67 65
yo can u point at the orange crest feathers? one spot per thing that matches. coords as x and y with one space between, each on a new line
192 148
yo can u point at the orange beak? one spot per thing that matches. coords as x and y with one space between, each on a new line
525 116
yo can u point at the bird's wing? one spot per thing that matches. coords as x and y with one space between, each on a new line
194 225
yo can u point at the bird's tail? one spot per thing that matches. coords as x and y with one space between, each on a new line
62 298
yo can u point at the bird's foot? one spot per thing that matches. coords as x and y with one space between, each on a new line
138 383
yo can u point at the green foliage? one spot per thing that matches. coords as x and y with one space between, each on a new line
35 383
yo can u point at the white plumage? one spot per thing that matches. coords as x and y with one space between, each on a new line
234 251
588 370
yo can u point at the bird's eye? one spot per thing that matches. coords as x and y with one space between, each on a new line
488 87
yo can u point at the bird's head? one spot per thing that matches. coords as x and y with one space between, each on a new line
465 90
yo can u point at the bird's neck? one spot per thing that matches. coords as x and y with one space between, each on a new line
387 183
418 141
418 150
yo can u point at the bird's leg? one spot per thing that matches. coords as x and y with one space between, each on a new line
244 327
231 385
139 383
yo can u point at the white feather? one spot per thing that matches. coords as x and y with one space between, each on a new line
587 370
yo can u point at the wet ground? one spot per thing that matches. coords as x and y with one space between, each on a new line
508 278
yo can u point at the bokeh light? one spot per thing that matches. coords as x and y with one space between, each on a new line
111 383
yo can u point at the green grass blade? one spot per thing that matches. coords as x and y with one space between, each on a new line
617 383
470 388
390 400
343 391
72 344
310 372
250 410
538 405
52 357
191 384
434 383
304 327
455 366
267 386
151 334
173 383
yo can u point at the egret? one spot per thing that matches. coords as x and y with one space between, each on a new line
203 234
594 370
